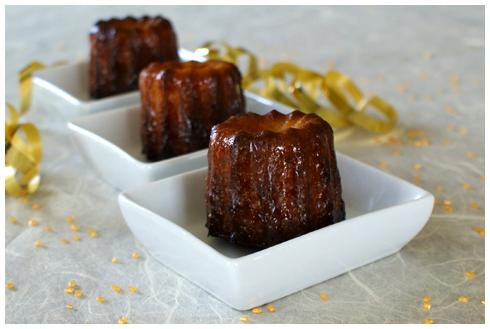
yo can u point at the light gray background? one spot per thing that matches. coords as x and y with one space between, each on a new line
406 54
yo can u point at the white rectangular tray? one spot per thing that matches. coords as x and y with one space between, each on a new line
168 217
110 142
67 87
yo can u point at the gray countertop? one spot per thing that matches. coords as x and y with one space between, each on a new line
427 61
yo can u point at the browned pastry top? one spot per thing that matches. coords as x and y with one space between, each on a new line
273 123
180 70
129 24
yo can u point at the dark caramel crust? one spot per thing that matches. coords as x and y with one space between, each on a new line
121 48
271 178
182 101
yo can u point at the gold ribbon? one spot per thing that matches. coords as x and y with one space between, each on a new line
23 148
308 90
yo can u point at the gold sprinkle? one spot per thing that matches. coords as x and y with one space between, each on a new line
413 133
427 306
417 166
69 290
383 165
463 299
100 299
114 260
257 310
47 228
244 318
422 142
271 308
33 222
463 131
470 275
426 299
123 320
116 288
428 321
474 205
466 185
76 237
74 227
133 290
324 296
38 243
135 255
92 232
36 205
447 203
450 109
72 284
69 219
482 302
78 293
9 285
471 155
69 306
64 240
479 230
13 220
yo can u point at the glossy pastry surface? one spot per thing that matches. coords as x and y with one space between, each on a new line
182 101
271 178
121 48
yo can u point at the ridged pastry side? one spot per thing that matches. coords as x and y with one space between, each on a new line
272 178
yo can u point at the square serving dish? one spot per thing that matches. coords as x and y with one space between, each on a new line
110 142
67 86
168 217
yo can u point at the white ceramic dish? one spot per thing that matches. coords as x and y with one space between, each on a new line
168 216
111 144
67 87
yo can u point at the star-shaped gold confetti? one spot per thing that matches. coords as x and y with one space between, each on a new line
463 299
256 310
100 299
33 222
324 296
479 230
244 318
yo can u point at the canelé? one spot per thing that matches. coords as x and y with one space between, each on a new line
121 48
271 178
182 101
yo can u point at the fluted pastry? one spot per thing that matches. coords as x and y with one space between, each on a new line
182 101
121 48
271 178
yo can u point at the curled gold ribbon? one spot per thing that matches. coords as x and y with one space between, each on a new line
23 148
308 90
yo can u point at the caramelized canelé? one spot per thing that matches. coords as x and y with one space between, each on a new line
182 101
271 178
121 48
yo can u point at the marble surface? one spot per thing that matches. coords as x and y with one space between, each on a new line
427 61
